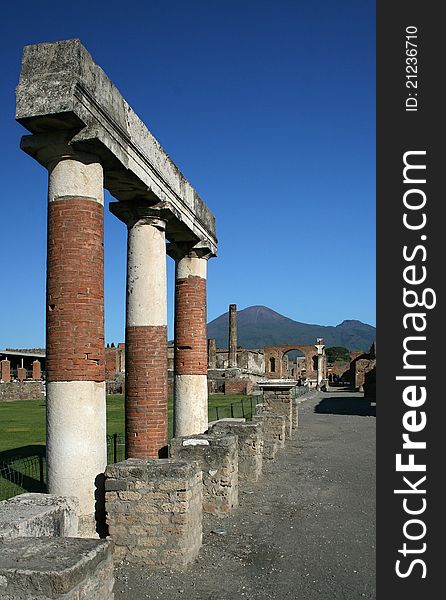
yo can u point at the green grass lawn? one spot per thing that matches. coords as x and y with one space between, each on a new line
22 423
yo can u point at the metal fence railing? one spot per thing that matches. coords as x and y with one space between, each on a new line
244 408
22 473
115 448
26 471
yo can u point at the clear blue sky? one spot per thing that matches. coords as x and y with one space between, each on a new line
268 109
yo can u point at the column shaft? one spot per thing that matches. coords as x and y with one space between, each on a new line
212 353
232 349
190 392
320 359
75 362
146 340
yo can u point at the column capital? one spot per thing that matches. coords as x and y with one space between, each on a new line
180 250
50 148
139 213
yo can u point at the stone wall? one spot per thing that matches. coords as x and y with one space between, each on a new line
238 386
217 456
154 511
24 390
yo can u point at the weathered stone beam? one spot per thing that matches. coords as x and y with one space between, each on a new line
64 97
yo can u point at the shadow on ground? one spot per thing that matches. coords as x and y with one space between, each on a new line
346 406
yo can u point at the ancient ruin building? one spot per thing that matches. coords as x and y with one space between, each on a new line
88 137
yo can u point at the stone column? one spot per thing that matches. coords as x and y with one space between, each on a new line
75 363
37 371
212 353
146 331
320 362
232 354
5 370
190 359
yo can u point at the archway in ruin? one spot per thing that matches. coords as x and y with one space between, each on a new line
294 365
278 360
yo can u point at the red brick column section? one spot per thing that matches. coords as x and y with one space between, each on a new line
146 391
75 291
190 356
5 374
21 373
190 326
37 370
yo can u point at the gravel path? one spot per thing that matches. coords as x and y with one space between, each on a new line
304 531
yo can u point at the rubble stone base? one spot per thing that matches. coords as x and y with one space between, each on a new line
217 456
250 446
154 511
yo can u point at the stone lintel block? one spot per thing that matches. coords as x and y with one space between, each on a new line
49 568
250 446
37 515
218 458
65 94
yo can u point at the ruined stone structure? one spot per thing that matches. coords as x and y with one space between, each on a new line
250 446
42 556
277 400
274 365
21 365
154 511
233 370
88 137
363 371
217 455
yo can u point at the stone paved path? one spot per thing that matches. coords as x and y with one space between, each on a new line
305 531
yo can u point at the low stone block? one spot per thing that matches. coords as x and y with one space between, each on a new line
279 402
295 419
37 515
273 432
47 568
217 456
154 511
250 446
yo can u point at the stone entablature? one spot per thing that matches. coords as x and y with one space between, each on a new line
64 95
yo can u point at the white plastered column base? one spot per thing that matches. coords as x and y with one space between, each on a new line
76 444
191 405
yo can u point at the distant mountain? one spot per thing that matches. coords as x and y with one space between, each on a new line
259 326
